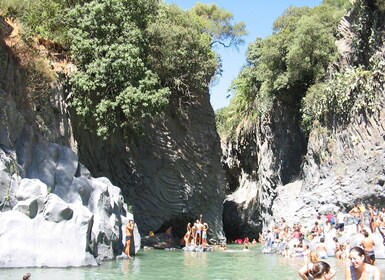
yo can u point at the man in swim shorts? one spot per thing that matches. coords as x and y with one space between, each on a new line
129 238
368 245
357 216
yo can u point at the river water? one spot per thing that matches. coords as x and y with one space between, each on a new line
234 263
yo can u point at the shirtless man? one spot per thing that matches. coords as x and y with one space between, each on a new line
199 226
129 237
357 216
368 245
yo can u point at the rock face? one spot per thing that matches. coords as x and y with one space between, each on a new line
340 169
272 172
268 156
171 174
52 211
168 176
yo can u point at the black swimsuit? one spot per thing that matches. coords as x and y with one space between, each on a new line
128 238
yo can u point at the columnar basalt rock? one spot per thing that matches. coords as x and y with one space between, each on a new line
273 172
171 174
52 211
266 157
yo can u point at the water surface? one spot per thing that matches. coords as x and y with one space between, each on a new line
177 264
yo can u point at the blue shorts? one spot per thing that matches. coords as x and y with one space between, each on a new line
357 220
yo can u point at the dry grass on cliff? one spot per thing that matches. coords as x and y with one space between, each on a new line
39 65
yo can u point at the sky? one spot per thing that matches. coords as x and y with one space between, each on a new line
258 15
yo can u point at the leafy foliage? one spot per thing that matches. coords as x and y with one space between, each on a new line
179 53
217 23
113 81
357 90
43 17
286 64
130 54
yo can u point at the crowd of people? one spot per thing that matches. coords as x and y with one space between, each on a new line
309 242
196 234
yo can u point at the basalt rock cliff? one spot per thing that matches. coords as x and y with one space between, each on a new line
274 171
168 175
53 213
171 173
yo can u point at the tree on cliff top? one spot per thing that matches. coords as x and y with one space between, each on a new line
284 65
133 56
218 24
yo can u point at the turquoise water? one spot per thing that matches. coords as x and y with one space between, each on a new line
177 264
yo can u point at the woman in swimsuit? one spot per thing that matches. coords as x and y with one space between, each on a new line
187 236
360 269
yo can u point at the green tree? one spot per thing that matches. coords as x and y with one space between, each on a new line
180 53
338 4
113 84
218 24
45 18
285 64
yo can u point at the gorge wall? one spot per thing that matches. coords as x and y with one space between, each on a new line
53 170
53 213
168 175
171 173
273 171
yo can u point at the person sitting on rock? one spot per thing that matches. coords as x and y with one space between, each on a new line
321 249
315 231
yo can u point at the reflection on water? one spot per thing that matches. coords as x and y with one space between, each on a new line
161 264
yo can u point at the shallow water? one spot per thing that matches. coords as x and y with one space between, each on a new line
177 264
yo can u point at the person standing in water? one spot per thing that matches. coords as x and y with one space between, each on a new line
357 216
304 272
129 238
368 245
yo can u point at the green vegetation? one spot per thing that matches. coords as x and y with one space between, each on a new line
356 90
292 66
133 57
40 17
114 84
282 66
